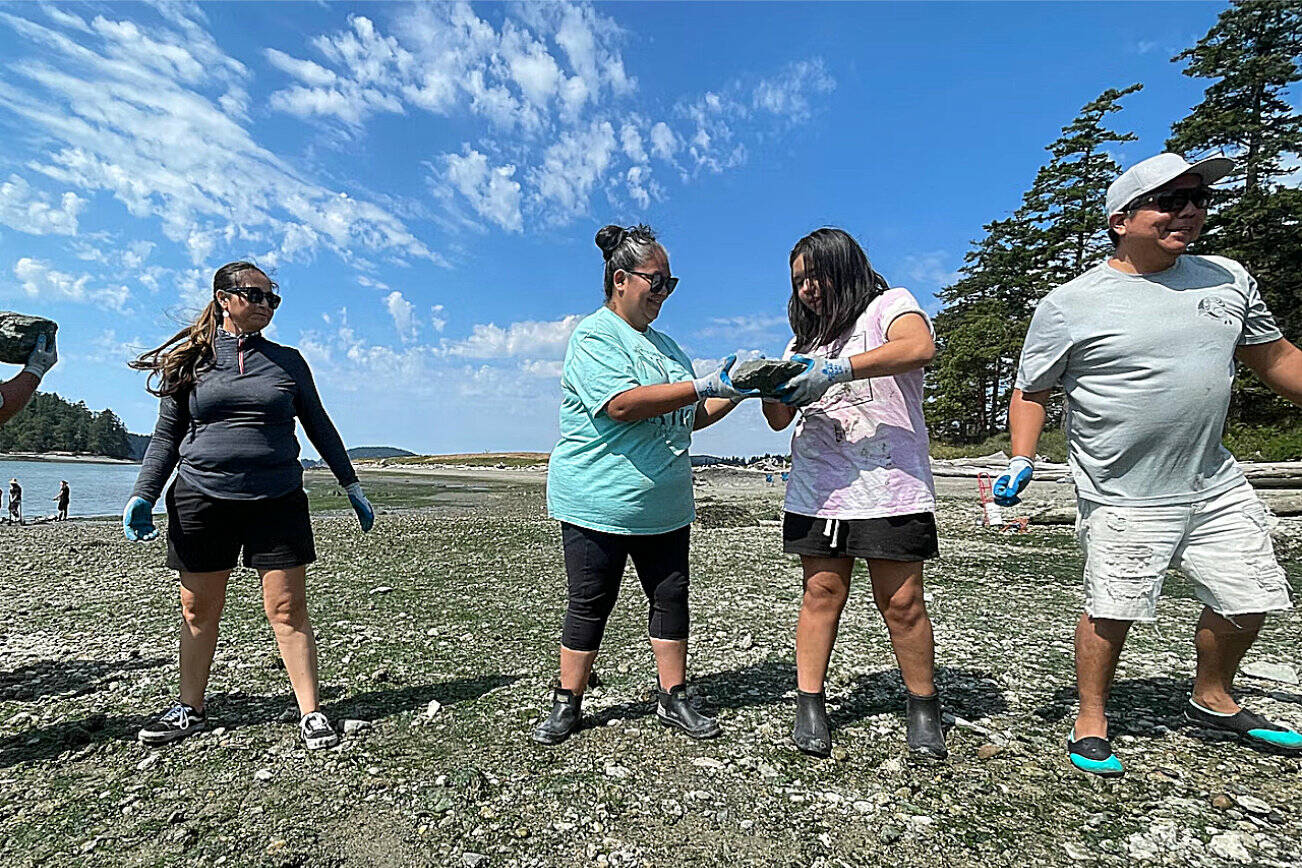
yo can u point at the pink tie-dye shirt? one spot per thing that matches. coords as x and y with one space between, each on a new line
861 451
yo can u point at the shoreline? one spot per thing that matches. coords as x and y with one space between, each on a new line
63 458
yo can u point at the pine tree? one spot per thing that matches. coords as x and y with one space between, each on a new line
1059 230
1252 53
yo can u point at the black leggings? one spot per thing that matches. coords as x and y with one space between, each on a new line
594 563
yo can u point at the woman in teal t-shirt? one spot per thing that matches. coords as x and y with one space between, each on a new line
620 478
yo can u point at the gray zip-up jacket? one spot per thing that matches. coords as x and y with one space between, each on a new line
233 433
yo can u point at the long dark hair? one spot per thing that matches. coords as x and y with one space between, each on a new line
178 361
846 279
624 249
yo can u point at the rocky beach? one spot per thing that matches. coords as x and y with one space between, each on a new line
438 635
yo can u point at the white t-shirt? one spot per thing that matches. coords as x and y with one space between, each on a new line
861 451
1147 364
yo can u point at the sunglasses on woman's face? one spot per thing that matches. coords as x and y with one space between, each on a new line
1173 201
660 283
256 295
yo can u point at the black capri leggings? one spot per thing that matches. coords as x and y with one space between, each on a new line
594 564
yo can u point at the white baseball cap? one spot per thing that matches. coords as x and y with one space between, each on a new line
1147 175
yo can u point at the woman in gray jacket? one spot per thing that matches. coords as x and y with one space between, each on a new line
226 420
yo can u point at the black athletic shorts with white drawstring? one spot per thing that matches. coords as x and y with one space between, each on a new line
893 538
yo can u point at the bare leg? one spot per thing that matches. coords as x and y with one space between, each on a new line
671 661
827 586
576 666
284 597
202 597
1098 648
897 590
1221 646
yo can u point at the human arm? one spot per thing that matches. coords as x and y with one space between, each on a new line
321 432
909 345
1278 364
711 410
1026 414
163 452
712 391
777 414
15 393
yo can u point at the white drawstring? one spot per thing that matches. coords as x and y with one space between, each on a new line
831 527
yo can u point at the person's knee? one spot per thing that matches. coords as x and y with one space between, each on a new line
825 594
201 613
286 612
904 610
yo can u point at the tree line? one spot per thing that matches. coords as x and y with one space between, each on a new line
1251 55
50 424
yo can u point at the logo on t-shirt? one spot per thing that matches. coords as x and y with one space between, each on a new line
1214 307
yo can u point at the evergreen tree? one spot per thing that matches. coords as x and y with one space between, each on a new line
1252 54
1059 230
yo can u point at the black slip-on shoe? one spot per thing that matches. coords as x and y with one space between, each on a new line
1094 755
172 725
565 719
1248 725
923 731
812 733
673 709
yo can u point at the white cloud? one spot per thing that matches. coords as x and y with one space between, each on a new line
39 280
750 328
404 319
437 320
664 142
571 167
311 74
929 272
525 338
545 368
156 120
36 213
788 94
709 366
489 190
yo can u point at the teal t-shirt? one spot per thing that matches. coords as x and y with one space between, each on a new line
620 477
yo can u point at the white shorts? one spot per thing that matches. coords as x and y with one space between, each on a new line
1222 544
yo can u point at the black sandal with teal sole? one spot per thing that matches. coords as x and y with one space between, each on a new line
1248 725
1094 755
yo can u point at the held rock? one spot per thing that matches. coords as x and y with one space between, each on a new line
18 334
767 375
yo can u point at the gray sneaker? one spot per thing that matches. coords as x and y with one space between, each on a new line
316 731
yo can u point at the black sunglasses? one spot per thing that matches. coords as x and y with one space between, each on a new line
256 295
1173 201
659 283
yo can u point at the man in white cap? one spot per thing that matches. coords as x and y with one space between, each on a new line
1143 344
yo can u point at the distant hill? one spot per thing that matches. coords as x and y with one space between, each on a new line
136 445
378 452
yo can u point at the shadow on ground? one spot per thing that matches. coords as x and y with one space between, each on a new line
68 678
234 710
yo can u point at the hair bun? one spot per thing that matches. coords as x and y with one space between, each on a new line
609 238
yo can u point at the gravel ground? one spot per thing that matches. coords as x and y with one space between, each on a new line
438 636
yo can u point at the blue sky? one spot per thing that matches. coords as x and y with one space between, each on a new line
426 180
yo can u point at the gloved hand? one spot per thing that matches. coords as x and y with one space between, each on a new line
812 383
362 506
719 384
43 357
138 520
1015 478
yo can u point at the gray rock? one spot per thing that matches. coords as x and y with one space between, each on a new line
764 374
1233 846
18 334
473 860
1284 673
353 726
1252 804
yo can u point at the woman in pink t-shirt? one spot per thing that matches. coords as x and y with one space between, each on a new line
860 483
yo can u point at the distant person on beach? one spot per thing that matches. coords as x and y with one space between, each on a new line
15 393
226 419
15 501
1144 344
620 478
61 501
860 483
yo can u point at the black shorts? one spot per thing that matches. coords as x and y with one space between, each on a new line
205 534
895 538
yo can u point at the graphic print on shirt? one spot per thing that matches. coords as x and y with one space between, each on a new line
1214 307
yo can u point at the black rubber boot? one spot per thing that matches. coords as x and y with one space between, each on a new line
923 731
673 709
564 721
812 734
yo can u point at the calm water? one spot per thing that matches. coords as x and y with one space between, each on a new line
97 489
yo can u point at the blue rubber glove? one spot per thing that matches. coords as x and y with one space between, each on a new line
819 375
138 520
362 506
719 384
43 357
1015 478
